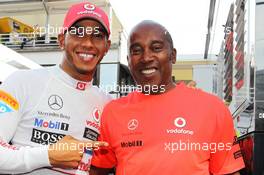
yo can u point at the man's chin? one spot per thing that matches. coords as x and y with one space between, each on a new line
84 71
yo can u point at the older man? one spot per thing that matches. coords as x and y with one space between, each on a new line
165 128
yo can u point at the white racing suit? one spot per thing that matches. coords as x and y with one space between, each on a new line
39 107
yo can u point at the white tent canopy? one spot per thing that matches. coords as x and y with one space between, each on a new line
10 61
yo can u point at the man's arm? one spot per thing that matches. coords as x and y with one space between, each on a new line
15 160
26 159
12 104
228 160
100 171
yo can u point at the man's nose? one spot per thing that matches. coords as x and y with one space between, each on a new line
87 41
147 56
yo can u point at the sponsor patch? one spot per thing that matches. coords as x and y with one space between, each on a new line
134 143
92 124
9 100
90 134
81 86
4 108
44 137
96 115
51 124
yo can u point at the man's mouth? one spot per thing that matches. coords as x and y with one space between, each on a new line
148 71
86 56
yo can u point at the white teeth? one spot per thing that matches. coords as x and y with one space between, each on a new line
86 57
148 71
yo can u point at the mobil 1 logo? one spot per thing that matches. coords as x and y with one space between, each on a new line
44 137
51 124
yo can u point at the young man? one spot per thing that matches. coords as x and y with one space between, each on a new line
167 129
40 107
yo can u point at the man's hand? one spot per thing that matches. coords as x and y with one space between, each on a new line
67 152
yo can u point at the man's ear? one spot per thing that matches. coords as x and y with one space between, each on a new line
61 40
107 46
173 56
128 62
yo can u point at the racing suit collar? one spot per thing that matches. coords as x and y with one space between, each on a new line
66 78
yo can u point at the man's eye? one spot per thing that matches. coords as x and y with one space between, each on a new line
157 48
135 51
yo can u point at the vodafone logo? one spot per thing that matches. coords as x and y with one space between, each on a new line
180 122
89 7
96 115
81 86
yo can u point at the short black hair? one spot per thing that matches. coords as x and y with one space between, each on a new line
169 38
166 32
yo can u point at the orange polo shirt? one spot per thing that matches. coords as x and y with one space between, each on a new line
182 132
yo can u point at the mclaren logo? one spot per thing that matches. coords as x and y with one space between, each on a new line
55 102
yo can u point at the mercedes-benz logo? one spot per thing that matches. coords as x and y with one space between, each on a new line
132 124
55 102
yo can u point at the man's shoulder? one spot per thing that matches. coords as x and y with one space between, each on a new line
30 72
210 98
27 76
197 94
